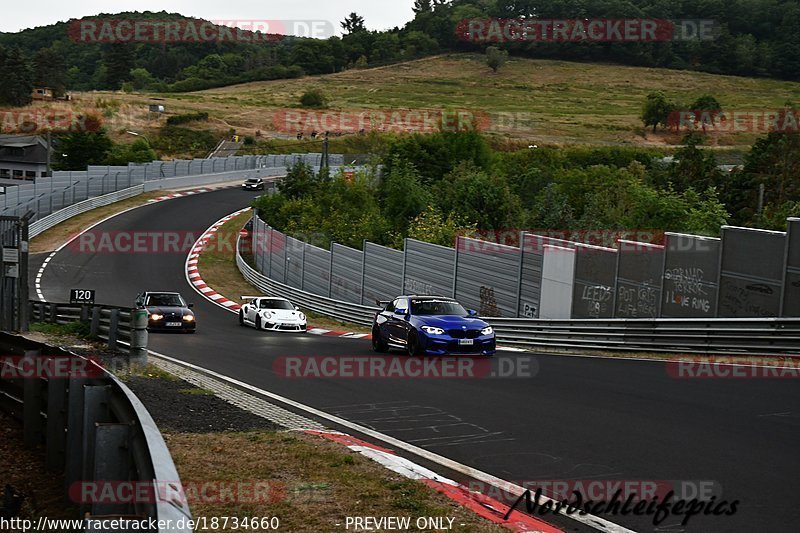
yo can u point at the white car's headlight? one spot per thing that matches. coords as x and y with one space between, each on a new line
268 315
432 330
487 330
302 317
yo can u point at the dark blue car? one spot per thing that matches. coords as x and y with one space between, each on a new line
431 325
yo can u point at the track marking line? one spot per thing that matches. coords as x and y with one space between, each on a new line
595 522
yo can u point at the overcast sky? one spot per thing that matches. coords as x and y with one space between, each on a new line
378 14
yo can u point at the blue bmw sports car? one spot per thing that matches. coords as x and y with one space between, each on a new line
431 325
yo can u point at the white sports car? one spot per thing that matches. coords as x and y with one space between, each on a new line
271 314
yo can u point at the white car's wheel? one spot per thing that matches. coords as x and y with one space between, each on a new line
258 322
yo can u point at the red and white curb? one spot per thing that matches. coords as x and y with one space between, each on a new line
193 270
195 279
177 195
484 506
192 192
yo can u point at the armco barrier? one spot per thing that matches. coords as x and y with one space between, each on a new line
45 223
117 326
757 336
93 429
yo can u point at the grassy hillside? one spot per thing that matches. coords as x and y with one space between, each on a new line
564 102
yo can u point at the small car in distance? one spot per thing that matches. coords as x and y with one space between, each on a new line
431 325
273 314
253 184
167 311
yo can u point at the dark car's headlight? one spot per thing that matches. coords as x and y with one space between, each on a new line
487 330
188 318
156 317
432 330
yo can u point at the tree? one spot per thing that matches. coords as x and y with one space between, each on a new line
708 105
16 78
694 167
137 152
656 110
313 98
403 196
475 196
495 57
119 61
433 227
300 180
354 23
422 6
49 71
141 79
80 149
417 44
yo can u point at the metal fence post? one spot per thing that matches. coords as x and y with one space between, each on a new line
111 462
56 423
94 330
303 268
455 266
74 442
95 411
32 396
113 325
53 314
363 268
519 272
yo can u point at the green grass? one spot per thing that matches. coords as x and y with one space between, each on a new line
77 329
563 102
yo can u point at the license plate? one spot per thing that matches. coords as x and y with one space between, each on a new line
466 342
174 324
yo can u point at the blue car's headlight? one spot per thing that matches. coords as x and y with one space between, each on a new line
487 330
432 330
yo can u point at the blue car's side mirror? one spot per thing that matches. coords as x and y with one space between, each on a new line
472 312
401 312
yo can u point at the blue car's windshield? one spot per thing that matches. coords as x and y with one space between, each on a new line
437 307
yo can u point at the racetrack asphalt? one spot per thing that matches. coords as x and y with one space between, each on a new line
576 419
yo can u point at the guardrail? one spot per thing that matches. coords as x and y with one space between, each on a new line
121 327
731 336
756 336
45 223
94 429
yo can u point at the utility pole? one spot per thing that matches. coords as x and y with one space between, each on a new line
761 198
49 153
325 147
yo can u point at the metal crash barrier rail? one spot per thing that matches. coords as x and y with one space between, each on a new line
747 336
94 430
120 327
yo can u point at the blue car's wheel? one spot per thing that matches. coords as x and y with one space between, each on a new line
412 345
378 344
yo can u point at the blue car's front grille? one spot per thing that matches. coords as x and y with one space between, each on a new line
464 334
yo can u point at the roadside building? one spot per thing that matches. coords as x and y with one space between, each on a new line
22 157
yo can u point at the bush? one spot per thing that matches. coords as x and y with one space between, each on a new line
186 117
313 98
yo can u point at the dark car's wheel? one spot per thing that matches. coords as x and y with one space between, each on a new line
258 323
412 345
378 344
